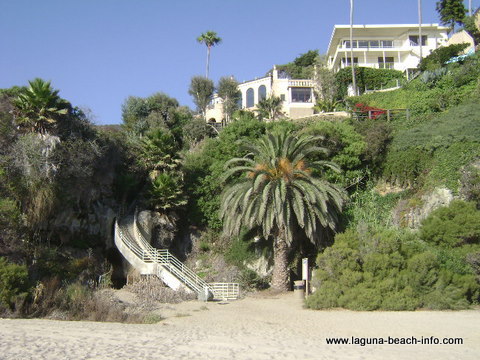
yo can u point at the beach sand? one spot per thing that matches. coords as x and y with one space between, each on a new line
262 327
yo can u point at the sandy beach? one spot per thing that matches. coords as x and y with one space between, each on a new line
271 327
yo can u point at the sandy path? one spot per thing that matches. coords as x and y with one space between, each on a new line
254 328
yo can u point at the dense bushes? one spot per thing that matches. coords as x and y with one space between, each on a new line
204 168
346 147
389 270
14 284
452 226
433 153
438 57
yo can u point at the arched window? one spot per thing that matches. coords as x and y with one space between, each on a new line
250 98
262 92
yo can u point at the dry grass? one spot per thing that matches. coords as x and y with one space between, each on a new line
151 290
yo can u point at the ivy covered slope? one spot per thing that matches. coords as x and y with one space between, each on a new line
380 262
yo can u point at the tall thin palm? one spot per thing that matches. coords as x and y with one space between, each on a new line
281 191
210 39
38 107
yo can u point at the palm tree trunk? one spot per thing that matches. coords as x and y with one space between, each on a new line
280 278
208 61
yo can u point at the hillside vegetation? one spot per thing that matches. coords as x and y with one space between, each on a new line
397 245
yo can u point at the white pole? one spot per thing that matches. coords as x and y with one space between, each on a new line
420 28
354 82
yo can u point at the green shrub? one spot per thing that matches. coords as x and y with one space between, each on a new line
367 206
204 168
451 226
406 167
347 147
390 270
447 165
377 135
14 284
250 280
436 151
438 57
239 251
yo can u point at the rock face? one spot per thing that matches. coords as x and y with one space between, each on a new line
262 266
410 213
159 229
97 223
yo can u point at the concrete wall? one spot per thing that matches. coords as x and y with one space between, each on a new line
462 37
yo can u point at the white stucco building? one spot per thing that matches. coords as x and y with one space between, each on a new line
384 46
375 46
297 95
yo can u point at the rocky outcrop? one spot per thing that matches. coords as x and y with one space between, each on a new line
159 229
262 266
410 213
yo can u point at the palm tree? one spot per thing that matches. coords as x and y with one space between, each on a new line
280 191
210 39
38 107
270 108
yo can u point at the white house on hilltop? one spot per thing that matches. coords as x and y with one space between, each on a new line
297 96
375 46
384 46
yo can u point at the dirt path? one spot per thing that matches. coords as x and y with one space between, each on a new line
275 327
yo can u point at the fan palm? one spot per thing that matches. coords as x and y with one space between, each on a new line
279 192
210 39
39 106
270 108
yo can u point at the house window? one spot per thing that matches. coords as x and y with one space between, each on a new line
346 43
387 43
363 44
389 62
262 92
414 40
240 100
250 98
301 95
348 61
282 97
366 44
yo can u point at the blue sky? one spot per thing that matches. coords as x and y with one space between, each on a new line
98 52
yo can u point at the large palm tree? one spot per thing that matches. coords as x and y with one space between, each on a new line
280 192
38 107
210 39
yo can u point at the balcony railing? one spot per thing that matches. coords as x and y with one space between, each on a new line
300 83
379 45
386 65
